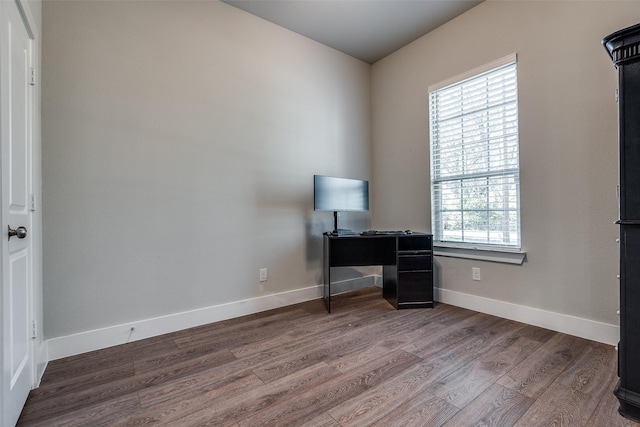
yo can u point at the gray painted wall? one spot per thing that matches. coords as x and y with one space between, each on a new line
180 140
568 141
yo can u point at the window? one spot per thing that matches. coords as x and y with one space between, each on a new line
475 177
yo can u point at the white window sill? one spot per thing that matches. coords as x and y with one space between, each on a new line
482 254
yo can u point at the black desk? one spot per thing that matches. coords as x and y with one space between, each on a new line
406 260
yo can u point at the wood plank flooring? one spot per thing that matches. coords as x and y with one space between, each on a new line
365 364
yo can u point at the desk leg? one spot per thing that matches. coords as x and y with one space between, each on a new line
390 284
327 276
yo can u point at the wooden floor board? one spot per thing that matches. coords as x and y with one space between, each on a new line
378 402
498 406
462 386
168 411
535 374
309 405
419 411
227 411
365 364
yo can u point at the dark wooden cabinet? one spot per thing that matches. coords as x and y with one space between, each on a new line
624 48
409 282
406 260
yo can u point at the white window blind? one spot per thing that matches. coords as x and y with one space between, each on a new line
475 178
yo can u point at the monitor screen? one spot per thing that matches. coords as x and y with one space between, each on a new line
340 194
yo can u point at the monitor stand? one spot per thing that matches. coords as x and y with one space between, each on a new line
340 231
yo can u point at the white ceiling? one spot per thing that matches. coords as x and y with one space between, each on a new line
365 29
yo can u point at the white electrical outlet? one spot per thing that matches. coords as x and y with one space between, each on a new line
263 275
475 273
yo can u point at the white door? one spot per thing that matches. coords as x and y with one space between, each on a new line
17 254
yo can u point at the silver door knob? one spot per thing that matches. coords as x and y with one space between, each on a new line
19 232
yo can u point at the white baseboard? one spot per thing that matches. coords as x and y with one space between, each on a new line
57 348
583 328
120 334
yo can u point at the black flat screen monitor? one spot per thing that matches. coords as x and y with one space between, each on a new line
340 194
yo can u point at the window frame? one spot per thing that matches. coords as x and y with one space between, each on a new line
466 249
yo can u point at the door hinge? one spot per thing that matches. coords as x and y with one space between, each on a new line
33 203
33 77
34 330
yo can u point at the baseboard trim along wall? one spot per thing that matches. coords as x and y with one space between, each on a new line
57 348
571 325
133 331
